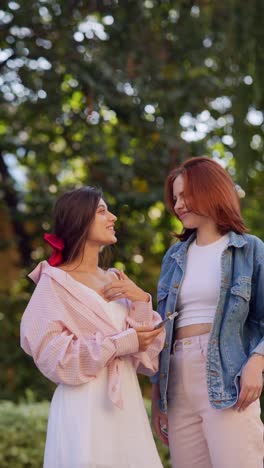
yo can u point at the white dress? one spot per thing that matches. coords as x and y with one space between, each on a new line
86 430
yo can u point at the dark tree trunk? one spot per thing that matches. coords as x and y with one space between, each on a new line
11 200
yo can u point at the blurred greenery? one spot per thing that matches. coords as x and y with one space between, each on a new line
23 431
22 434
116 93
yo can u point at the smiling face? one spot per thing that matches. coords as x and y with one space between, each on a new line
102 230
189 219
201 194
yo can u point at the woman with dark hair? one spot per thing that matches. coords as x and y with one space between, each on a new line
90 330
205 403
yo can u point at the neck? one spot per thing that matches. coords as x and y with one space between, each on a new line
207 233
88 262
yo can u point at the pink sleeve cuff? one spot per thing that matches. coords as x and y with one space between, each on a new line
126 342
141 314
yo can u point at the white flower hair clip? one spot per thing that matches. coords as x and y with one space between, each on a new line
240 192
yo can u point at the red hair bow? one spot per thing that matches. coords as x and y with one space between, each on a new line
58 245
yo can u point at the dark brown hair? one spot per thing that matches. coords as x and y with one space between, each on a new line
209 191
74 213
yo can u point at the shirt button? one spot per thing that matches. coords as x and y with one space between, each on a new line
162 376
176 285
166 345
168 314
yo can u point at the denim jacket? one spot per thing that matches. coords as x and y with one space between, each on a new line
238 326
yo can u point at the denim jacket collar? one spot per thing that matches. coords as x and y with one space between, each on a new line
181 252
236 240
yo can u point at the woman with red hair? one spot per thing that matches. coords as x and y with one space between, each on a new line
206 393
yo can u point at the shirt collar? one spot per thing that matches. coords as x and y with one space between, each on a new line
236 240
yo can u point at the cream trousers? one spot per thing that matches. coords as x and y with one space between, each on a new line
199 435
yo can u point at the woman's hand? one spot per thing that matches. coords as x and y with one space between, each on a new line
124 288
145 337
159 420
251 382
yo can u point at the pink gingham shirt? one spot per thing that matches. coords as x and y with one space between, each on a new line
70 337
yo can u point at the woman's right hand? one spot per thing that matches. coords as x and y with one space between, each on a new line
145 337
158 418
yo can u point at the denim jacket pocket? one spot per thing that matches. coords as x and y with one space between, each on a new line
242 288
240 297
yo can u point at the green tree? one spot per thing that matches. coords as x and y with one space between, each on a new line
115 93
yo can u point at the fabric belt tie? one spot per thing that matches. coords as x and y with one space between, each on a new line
114 382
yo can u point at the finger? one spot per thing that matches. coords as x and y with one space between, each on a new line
115 297
251 398
243 403
163 438
151 331
159 432
114 290
241 398
141 330
246 404
147 334
122 275
163 432
157 331
112 285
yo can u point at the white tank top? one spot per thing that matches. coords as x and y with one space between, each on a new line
199 292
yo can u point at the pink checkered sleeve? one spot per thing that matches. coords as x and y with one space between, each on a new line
141 315
62 355
64 358
147 362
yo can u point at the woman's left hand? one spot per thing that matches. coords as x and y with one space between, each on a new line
251 382
124 288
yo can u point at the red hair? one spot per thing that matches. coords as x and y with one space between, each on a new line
209 191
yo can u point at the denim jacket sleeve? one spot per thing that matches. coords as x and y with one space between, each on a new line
258 295
164 265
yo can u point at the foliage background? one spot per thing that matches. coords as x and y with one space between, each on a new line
114 94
